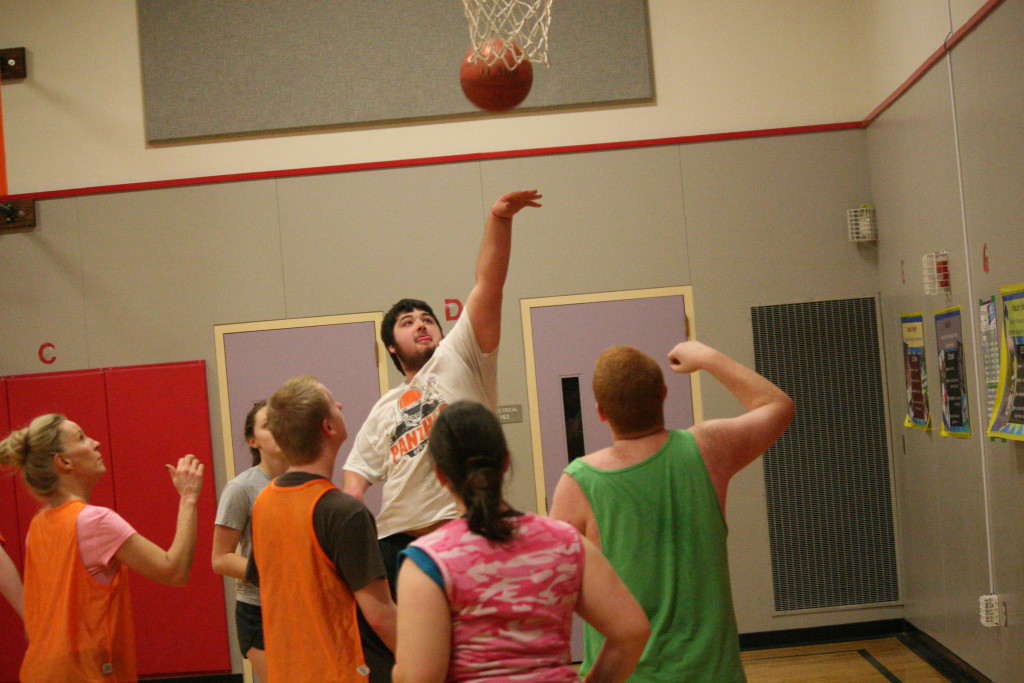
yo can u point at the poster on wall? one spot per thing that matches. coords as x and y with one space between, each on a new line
956 415
1008 417
989 352
912 326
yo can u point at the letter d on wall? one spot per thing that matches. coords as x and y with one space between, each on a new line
451 305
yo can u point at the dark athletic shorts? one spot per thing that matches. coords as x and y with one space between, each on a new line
249 621
390 547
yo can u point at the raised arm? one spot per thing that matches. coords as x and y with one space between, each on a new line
606 604
730 444
171 566
484 302
10 582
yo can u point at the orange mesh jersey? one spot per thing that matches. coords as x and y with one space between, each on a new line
309 612
78 628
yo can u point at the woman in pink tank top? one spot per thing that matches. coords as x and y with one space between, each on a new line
490 596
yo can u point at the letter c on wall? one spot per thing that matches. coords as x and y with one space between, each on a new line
45 355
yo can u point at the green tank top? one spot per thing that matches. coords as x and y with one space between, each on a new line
662 529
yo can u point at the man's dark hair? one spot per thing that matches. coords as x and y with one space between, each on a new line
387 328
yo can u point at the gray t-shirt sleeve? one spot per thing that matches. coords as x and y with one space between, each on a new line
348 536
234 506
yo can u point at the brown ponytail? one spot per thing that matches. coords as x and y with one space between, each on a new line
469 448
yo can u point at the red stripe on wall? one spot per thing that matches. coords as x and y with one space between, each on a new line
426 161
953 39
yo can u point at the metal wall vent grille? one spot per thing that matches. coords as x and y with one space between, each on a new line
827 479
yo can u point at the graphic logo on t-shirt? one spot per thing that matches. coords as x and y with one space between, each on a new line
416 415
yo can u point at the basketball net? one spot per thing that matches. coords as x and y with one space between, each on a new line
523 22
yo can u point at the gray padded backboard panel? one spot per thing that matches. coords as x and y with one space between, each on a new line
827 479
233 67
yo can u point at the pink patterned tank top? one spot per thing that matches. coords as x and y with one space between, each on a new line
511 603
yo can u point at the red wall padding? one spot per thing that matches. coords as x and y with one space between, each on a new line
80 396
157 414
143 417
12 636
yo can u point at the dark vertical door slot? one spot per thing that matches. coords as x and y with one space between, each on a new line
573 412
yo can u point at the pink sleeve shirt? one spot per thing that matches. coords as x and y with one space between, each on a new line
511 603
101 533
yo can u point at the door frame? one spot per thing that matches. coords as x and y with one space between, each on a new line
526 306
220 331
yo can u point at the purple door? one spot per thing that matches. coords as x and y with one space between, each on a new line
341 355
568 338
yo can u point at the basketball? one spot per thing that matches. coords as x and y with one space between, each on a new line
496 87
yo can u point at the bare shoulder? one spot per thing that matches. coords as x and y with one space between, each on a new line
704 435
601 459
570 504
568 499
712 440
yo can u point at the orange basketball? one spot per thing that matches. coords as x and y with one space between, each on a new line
496 87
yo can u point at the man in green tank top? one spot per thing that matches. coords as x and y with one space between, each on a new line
654 502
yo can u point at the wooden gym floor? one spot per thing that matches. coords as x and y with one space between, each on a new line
878 660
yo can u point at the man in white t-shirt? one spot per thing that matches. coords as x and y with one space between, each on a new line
438 370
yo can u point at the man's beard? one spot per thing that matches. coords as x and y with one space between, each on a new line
417 360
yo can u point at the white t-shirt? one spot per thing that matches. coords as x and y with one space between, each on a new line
391 445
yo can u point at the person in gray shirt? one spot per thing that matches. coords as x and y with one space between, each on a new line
232 533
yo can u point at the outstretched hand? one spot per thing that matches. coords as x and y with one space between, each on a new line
688 356
510 203
187 477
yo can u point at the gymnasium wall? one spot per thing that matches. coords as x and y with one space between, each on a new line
142 277
960 500
894 37
77 120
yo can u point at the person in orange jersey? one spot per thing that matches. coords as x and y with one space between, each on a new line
77 605
314 551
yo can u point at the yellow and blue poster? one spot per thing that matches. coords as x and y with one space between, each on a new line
949 337
1008 416
989 352
912 326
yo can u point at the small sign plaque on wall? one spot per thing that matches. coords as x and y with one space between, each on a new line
510 414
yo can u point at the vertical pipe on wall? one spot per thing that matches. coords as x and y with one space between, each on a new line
3 156
973 317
